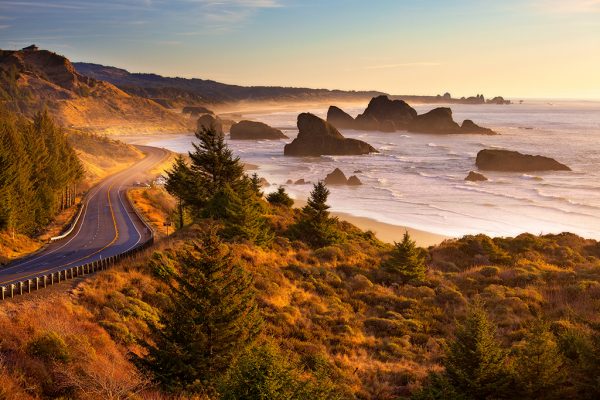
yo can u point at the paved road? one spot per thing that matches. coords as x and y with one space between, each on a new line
107 226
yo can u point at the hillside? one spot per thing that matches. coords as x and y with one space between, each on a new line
33 79
179 92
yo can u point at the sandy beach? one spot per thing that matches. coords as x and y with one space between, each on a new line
387 233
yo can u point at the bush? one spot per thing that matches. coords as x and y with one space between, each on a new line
49 347
280 198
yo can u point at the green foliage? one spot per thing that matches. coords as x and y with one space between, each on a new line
476 364
316 227
437 387
38 169
406 262
255 185
49 347
179 181
280 197
213 167
539 365
212 320
242 215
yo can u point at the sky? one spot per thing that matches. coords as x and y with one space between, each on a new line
513 48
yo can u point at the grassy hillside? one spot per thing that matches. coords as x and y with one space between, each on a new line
333 307
31 80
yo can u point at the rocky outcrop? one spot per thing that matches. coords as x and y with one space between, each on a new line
475 177
208 121
337 177
318 137
251 130
340 119
513 161
354 181
383 114
469 126
438 120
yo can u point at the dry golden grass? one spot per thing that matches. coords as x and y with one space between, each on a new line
15 246
156 205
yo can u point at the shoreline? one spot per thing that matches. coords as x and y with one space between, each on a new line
385 232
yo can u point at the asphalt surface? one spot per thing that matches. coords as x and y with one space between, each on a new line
107 226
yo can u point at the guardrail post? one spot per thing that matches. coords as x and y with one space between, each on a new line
37 283
21 288
52 279
28 285
12 290
44 280
2 292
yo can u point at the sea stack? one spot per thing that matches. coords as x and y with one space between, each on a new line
475 177
340 119
317 137
513 161
383 114
208 121
251 130
438 120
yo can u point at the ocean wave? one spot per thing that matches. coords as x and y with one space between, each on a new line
532 177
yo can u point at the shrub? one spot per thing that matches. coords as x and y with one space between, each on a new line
49 347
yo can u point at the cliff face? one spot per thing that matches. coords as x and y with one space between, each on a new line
33 79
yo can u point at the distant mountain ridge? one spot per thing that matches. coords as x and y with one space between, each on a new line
178 92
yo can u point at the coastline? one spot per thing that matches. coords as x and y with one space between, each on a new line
385 232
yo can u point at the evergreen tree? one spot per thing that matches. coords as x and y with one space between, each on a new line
256 185
316 226
213 319
539 365
213 166
179 182
406 262
264 372
476 364
242 214
280 197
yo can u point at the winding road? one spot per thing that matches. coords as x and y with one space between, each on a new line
108 226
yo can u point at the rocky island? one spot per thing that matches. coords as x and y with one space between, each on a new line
251 130
317 137
386 115
513 161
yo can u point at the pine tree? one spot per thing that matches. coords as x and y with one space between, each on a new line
212 320
280 197
406 262
539 365
476 364
213 166
241 213
256 185
316 226
179 182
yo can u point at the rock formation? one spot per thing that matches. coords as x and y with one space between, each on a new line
475 177
317 137
337 177
438 120
340 119
469 126
386 115
251 130
354 181
209 121
512 161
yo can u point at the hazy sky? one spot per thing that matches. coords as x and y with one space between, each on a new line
515 48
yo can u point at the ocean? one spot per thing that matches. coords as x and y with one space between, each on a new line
417 180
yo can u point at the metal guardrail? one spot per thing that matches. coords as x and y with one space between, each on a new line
41 281
73 224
